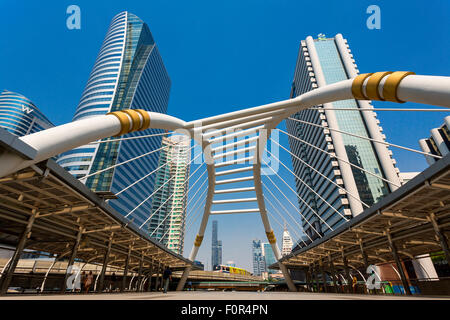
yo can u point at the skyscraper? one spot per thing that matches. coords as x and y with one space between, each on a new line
287 243
20 116
259 265
169 201
216 246
438 143
321 62
128 74
269 256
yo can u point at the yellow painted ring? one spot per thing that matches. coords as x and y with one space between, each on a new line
373 83
390 86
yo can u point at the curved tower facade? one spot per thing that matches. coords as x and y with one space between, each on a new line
128 74
20 116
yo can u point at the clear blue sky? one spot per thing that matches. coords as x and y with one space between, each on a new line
224 55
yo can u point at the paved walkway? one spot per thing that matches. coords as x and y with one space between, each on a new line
217 295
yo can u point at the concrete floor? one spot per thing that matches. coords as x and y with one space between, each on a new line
218 295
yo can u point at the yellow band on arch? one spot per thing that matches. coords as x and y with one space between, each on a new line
136 124
145 117
390 86
373 84
357 86
125 122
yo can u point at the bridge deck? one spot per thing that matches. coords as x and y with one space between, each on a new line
405 212
65 206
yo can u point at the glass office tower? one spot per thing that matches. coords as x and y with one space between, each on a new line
269 256
167 221
259 265
128 74
20 116
321 62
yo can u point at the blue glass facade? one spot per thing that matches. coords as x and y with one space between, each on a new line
20 116
128 74
269 256
359 152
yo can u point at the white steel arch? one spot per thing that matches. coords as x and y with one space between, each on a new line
254 125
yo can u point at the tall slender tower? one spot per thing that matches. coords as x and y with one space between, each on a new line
216 246
321 62
128 74
169 201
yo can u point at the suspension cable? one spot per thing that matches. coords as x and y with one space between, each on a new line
299 179
121 163
151 195
322 175
157 210
185 194
193 217
366 138
301 199
190 200
279 213
273 216
147 175
335 156
287 211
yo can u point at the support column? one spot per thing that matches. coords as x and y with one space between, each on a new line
347 272
105 264
398 263
157 277
160 279
8 273
308 278
324 277
366 264
333 273
150 276
440 236
139 279
316 278
71 260
183 278
125 272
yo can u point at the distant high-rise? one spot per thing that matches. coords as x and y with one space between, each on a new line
438 143
216 246
269 256
287 243
169 201
20 116
259 265
322 62
128 74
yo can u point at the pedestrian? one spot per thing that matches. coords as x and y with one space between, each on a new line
339 284
167 276
354 282
88 282
83 280
113 281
